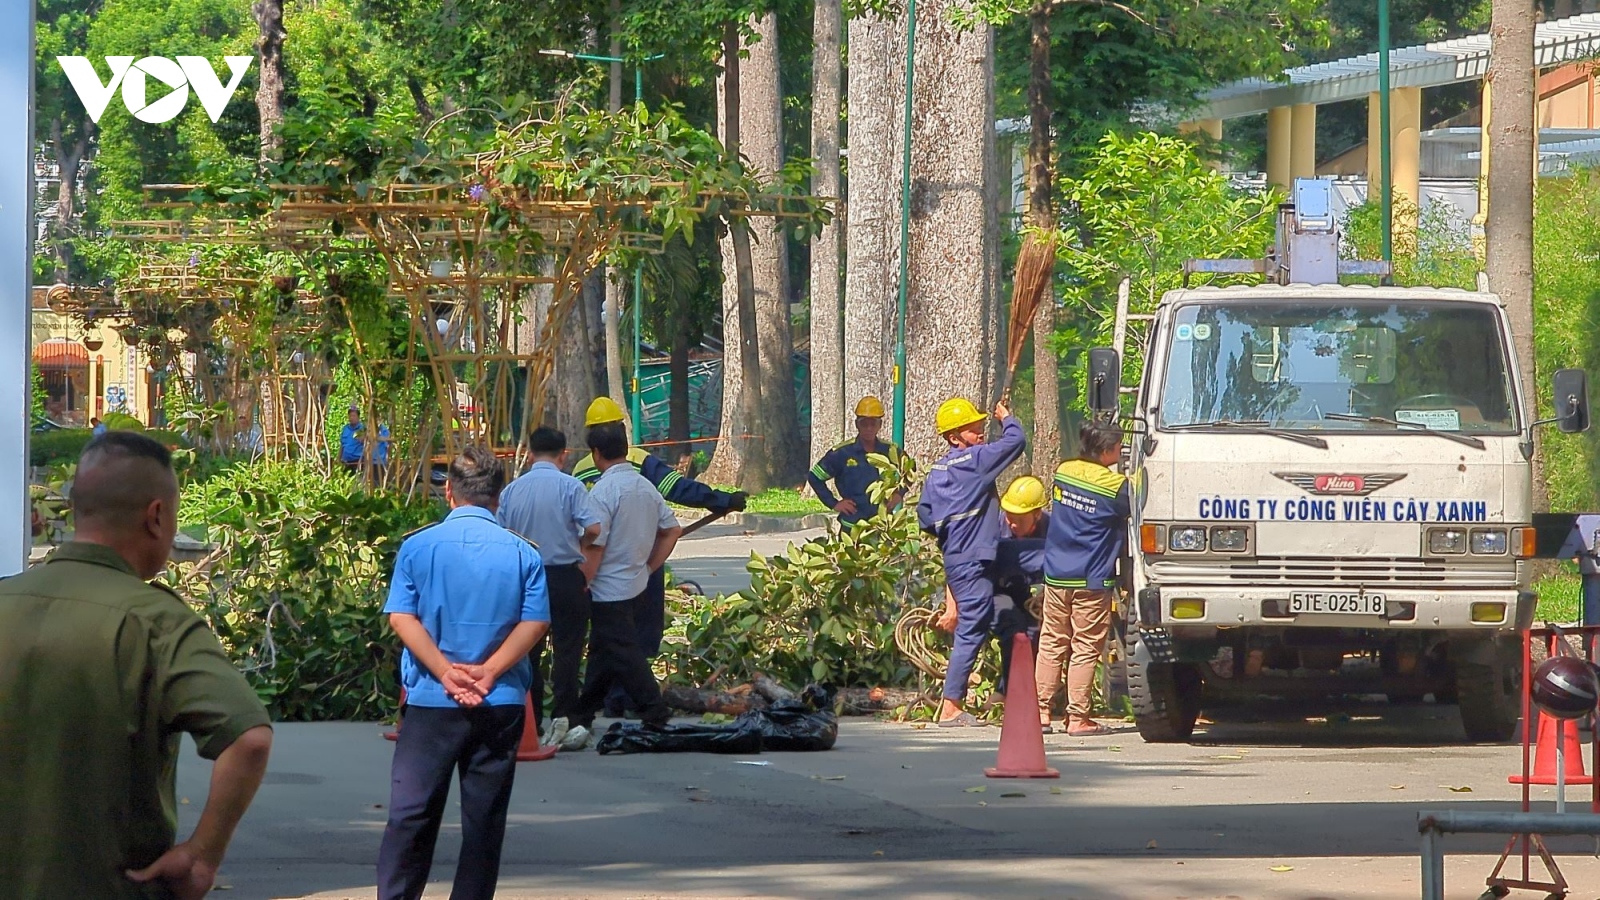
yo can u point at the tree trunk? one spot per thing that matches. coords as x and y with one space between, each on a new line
574 378
1046 438
828 415
69 161
742 455
269 56
1508 228
876 74
678 394
614 293
952 346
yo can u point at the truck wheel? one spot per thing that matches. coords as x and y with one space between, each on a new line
1488 690
1166 696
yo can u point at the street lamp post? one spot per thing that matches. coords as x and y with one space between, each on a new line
635 397
1384 164
899 430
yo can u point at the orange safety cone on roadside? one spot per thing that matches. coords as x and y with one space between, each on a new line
1021 740
529 750
1552 729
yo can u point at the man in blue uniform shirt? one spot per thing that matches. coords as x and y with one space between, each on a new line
468 600
853 466
352 446
650 614
961 509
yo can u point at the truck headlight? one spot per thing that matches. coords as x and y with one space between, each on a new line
1489 541
1186 539
1230 539
1447 541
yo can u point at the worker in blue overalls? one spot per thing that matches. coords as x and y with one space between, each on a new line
961 509
854 465
678 489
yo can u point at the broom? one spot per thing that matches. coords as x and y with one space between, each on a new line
1035 264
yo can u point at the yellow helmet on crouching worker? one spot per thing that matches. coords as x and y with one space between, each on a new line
957 412
602 411
869 407
1025 495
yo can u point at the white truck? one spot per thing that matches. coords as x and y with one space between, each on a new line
1332 490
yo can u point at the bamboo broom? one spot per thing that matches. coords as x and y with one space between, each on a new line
1035 266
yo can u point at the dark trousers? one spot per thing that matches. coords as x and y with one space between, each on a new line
649 623
569 629
616 659
975 621
1012 618
480 743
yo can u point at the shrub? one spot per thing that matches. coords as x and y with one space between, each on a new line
120 421
65 445
296 586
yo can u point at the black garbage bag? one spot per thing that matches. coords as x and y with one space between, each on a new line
801 725
633 737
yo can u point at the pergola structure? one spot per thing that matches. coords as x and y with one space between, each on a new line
1291 102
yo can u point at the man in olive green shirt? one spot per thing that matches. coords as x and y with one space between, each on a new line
100 675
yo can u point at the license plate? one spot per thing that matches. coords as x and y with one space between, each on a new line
1343 604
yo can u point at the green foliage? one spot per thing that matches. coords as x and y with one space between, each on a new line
1560 596
1566 300
824 611
121 421
64 445
297 584
1438 254
37 395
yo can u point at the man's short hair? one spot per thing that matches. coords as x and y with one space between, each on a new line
546 441
609 441
130 487
476 476
1096 439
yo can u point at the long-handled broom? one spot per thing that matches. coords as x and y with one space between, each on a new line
1035 265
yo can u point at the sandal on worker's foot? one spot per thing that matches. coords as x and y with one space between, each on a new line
1094 730
965 720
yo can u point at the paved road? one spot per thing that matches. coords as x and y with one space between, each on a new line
715 556
891 812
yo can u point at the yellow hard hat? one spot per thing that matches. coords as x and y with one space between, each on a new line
1025 495
870 407
956 413
602 411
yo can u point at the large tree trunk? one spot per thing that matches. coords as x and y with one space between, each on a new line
69 162
574 374
1046 437
876 73
678 394
1509 226
742 457
828 416
952 346
269 56
614 287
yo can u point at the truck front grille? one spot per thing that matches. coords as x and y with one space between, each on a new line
1323 572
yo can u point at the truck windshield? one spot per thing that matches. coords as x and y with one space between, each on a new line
1440 366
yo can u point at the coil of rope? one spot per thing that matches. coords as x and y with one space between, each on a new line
911 633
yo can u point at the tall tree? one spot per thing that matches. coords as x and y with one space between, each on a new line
827 360
269 59
1509 227
1046 443
613 281
61 125
741 457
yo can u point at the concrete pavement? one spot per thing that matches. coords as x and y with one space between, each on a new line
715 556
1276 807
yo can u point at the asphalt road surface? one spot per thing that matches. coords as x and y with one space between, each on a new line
1283 805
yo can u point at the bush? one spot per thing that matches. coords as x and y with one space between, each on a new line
120 421
65 445
296 586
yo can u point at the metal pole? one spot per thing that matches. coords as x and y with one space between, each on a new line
1432 866
1384 162
905 235
16 277
636 404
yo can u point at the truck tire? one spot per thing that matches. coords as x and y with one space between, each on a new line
1488 690
1166 696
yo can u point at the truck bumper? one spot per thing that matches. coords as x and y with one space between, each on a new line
1177 607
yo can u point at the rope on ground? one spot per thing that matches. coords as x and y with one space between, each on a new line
911 632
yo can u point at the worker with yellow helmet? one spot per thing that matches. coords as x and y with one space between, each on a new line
961 509
678 489
854 466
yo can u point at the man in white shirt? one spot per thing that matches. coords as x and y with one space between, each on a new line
637 534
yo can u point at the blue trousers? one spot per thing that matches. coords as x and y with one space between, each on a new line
480 743
970 584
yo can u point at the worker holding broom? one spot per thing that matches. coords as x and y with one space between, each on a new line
961 509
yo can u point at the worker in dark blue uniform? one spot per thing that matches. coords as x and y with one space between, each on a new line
961 509
678 489
854 466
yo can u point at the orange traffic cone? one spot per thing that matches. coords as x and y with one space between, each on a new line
1552 729
1021 740
529 750
395 734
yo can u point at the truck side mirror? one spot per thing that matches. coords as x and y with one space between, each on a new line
1570 390
1105 381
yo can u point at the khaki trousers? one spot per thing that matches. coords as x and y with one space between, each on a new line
1072 632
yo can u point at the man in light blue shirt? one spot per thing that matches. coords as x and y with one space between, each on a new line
468 600
637 534
551 509
351 445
